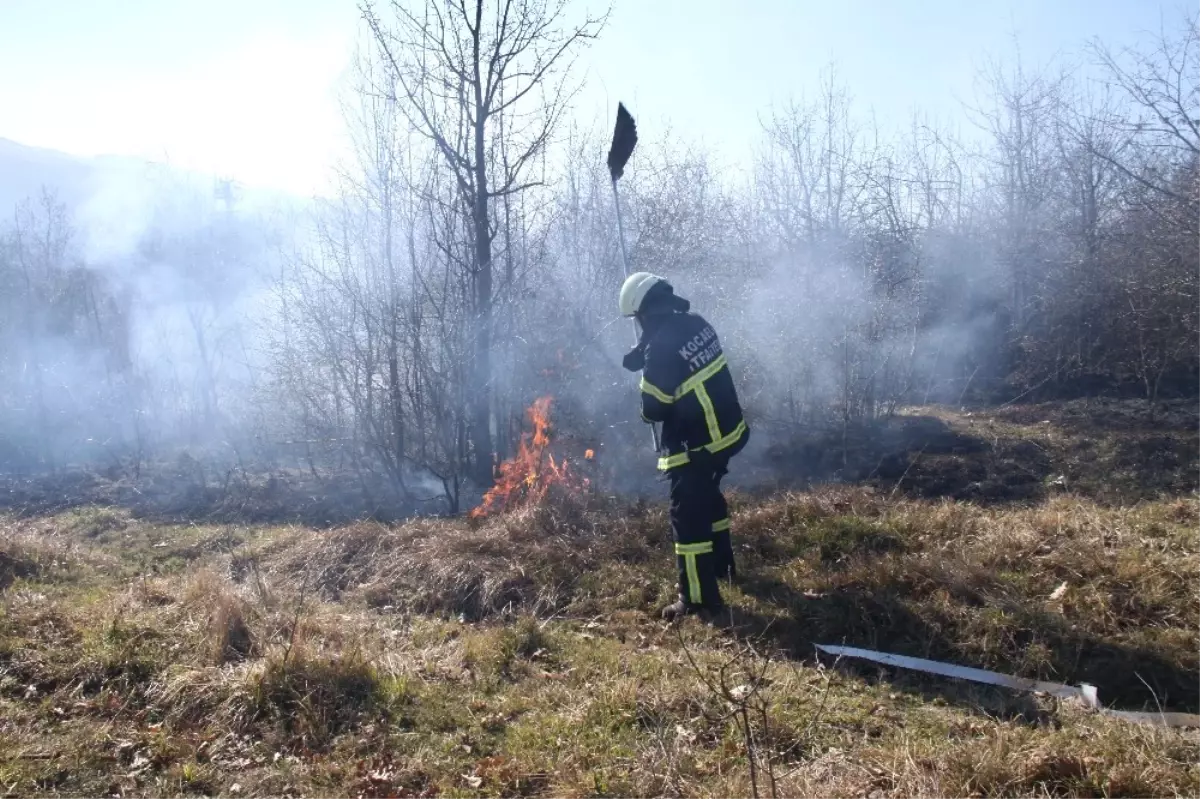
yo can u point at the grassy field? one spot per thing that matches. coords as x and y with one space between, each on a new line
523 655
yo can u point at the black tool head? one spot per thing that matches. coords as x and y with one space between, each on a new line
624 139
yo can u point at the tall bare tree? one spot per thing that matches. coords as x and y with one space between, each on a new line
1020 121
465 74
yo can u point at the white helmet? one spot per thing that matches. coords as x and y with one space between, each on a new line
635 289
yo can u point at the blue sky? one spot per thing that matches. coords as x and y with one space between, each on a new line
248 88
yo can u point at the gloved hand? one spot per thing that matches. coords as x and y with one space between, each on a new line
635 359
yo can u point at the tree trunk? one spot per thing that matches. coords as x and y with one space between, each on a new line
481 432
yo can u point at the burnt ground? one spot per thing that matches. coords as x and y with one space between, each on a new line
1113 451
184 490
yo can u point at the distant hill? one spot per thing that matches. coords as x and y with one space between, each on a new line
112 198
24 170
79 181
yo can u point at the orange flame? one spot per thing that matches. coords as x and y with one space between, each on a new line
527 476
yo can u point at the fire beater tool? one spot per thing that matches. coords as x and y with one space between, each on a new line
623 141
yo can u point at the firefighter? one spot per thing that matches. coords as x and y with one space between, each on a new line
686 385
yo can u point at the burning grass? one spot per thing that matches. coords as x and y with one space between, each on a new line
525 479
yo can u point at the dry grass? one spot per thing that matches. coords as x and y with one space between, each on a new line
227 634
45 553
523 655
531 560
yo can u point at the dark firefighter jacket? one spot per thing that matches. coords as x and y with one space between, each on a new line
687 386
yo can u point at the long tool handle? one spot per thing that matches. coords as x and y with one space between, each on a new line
625 262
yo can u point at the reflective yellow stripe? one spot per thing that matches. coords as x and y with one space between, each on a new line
689 553
729 440
698 379
680 458
696 383
710 413
689 563
655 392
721 526
671 461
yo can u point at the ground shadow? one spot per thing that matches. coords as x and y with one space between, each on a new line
1127 678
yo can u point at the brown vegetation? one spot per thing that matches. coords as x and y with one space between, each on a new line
522 654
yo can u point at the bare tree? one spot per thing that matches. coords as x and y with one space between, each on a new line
465 75
1162 85
1020 121
1160 158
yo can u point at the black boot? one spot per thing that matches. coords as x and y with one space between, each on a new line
707 613
677 610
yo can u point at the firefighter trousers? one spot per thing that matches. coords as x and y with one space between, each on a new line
700 526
